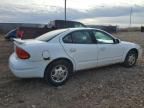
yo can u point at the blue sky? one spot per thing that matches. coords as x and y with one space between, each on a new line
109 12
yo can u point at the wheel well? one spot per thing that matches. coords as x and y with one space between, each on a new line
135 50
65 59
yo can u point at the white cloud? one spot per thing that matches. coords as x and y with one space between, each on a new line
92 11
75 4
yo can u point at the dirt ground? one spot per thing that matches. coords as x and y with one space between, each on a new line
108 87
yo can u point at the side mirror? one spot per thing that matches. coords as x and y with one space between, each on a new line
116 41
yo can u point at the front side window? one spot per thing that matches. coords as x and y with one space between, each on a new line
103 38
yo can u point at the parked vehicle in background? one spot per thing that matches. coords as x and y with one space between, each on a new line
15 33
109 28
11 34
33 32
60 24
142 28
55 55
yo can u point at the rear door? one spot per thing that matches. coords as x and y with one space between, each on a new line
80 46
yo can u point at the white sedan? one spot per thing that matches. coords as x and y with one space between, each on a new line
55 55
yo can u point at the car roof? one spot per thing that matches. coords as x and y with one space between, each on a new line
81 28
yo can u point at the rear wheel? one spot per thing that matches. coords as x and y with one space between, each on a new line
58 72
131 58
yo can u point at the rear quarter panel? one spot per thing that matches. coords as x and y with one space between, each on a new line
53 47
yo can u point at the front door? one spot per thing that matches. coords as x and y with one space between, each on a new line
108 51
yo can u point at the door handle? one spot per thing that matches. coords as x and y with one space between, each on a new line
72 50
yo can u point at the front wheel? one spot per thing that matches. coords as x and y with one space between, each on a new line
58 72
130 59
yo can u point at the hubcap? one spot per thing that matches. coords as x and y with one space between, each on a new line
132 59
59 73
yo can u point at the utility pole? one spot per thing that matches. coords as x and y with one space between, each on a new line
131 11
65 13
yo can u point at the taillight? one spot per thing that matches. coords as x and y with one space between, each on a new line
22 54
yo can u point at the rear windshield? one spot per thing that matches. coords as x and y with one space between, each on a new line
48 36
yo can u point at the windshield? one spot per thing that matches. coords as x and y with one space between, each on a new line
50 35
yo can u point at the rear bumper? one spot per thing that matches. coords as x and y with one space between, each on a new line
26 69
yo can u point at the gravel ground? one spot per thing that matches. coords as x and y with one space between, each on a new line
106 87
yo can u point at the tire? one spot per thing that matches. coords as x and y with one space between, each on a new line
58 72
130 59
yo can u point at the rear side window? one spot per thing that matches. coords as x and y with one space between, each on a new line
67 39
79 37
